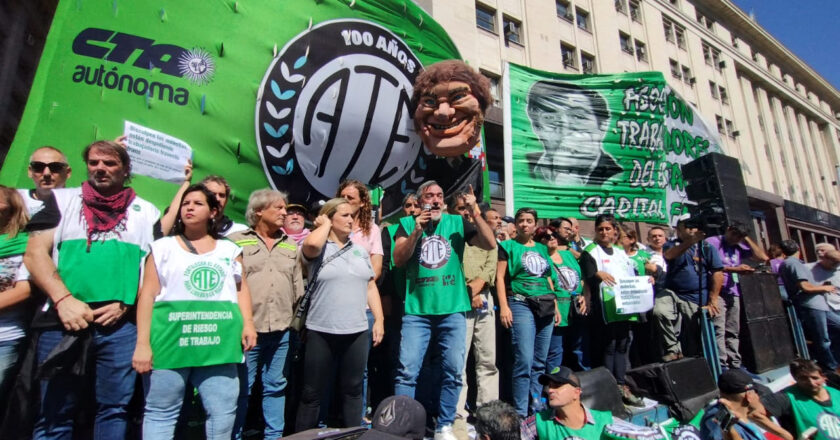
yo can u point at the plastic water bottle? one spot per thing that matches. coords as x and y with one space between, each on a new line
537 403
483 310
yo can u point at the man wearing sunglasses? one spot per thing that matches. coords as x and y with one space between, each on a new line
49 170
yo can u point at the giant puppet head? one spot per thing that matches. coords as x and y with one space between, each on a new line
449 101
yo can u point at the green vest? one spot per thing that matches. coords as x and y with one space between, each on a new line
807 413
528 268
569 284
620 265
548 429
434 278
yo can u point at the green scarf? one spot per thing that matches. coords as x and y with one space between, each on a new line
13 246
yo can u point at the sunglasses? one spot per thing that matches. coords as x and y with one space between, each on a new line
55 167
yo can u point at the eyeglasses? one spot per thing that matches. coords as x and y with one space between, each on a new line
55 167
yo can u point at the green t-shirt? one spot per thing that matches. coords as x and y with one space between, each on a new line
807 412
549 429
434 277
568 285
528 268
640 258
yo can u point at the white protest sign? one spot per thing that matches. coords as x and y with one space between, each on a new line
633 295
156 154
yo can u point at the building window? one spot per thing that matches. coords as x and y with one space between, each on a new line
513 30
679 31
582 19
707 53
621 6
686 76
734 41
485 18
730 129
712 56
495 88
675 69
587 62
668 27
563 9
641 51
635 11
624 40
713 88
569 56
724 98
720 125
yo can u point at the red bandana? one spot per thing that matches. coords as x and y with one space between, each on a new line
101 213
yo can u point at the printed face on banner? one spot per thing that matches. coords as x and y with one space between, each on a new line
570 122
334 105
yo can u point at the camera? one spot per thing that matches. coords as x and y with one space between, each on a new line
708 217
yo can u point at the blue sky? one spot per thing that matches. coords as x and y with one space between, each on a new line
808 28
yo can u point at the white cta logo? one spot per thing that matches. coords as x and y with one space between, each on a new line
534 263
434 252
829 425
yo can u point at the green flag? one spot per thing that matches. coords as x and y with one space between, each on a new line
582 145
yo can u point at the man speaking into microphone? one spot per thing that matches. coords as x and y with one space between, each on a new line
431 248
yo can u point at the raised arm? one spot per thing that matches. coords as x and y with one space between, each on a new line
314 243
485 239
167 222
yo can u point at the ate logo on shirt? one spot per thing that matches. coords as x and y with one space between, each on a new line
829 425
434 252
534 263
569 278
203 279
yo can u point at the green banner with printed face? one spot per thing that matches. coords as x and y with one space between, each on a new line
294 94
582 145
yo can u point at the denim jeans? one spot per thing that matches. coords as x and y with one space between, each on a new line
111 350
531 337
218 386
823 329
9 357
449 332
270 357
573 339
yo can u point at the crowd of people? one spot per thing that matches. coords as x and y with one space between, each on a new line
326 310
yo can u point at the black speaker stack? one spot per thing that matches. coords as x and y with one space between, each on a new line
714 181
766 337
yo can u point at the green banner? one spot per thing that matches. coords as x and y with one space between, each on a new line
582 145
195 334
294 94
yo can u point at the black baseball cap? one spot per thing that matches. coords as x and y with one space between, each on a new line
508 219
561 375
397 417
735 381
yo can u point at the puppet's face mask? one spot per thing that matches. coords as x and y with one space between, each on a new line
449 118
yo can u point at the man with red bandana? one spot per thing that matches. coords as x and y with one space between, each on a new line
86 254
450 99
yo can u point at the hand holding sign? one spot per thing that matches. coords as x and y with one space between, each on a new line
156 154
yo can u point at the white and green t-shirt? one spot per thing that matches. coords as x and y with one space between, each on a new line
196 320
110 269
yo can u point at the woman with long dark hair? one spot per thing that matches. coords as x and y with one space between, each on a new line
193 320
601 263
527 305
